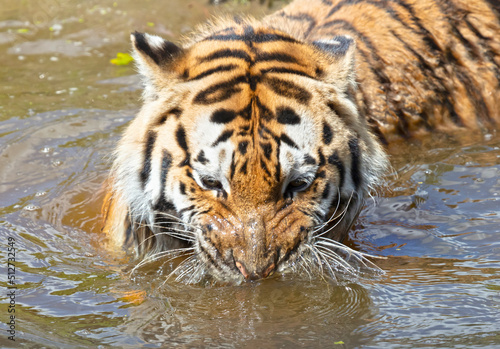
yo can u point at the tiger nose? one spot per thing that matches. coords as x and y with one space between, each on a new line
255 274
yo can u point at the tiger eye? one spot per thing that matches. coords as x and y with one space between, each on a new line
297 185
211 183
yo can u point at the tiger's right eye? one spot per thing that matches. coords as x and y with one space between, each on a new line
297 185
211 183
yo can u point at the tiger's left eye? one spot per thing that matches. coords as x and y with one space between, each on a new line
297 185
211 183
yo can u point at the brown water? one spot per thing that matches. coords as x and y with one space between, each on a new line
62 108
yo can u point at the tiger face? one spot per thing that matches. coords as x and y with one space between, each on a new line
249 146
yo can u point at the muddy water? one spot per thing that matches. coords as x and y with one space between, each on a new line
62 108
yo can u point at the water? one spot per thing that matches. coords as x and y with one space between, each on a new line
62 109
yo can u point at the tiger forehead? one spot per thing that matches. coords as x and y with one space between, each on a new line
254 51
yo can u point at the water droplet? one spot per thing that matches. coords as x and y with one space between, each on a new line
31 207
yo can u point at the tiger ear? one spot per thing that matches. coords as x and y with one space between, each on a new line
153 56
340 52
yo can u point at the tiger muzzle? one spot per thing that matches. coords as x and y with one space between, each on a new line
257 256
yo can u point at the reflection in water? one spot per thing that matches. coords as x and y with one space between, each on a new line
60 116
264 314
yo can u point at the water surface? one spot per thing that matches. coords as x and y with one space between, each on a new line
62 109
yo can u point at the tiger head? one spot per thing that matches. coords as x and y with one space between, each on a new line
250 143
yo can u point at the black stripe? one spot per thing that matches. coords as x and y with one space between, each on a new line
335 161
309 160
221 68
326 191
177 112
163 205
226 53
281 57
180 136
148 150
220 92
304 17
287 116
322 160
201 158
187 209
223 116
320 174
243 168
264 167
355 162
223 137
264 112
242 147
288 141
327 133
214 262
267 148
277 173
182 188
281 70
383 6
251 37
166 162
288 89
232 167
335 108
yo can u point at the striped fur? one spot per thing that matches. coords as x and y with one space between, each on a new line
257 140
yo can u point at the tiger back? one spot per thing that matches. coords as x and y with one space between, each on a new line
258 141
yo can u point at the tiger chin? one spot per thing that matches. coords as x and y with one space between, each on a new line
254 149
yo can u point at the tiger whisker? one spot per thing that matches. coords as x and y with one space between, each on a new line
159 225
338 259
340 217
305 265
177 253
178 268
359 256
196 273
320 226
314 252
324 259
177 219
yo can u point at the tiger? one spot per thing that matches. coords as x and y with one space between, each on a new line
258 141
